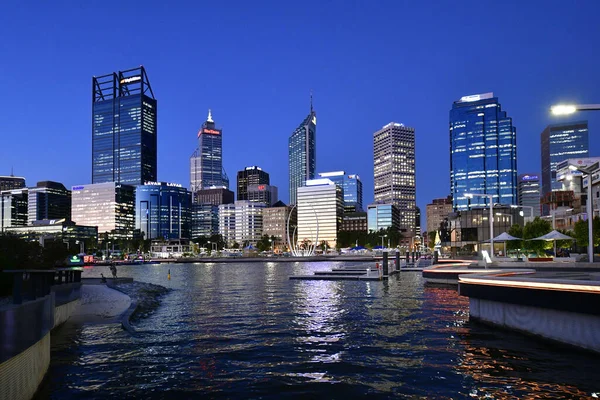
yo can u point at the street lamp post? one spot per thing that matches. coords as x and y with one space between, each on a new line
491 197
566 109
589 209
382 244
271 242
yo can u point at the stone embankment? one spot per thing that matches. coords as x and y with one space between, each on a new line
145 298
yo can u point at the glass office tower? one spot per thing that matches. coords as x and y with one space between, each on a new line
206 163
483 152
302 153
351 186
558 143
163 210
123 128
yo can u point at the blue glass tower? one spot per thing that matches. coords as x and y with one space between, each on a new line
483 152
352 189
123 128
302 152
163 210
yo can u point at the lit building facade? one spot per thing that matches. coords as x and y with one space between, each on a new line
529 194
124 128
250 176
483 152
302 153
204 220
395 172
13 208
382 216
11 182
163 210
110 206
275 220
206 163
248 222
558 143
47 201
352 189
320 209
436 212
60 230
227 223
265 194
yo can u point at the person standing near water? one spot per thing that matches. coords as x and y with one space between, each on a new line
113 269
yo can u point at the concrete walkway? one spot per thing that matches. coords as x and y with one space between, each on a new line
100 304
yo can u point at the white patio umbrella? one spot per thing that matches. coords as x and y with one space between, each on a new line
554 236
504 237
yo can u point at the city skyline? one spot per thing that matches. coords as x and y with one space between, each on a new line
350 109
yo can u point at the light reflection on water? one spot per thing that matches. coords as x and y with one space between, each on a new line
247 331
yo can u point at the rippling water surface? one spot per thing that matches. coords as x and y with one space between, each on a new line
247 331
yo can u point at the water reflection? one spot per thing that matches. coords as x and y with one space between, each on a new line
246 330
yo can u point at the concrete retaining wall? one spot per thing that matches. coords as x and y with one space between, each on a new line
21 375
580 330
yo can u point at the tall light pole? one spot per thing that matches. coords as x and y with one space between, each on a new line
566 109
491 197
589 209
382 244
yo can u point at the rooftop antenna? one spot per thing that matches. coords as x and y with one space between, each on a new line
12 171
209 119
311 106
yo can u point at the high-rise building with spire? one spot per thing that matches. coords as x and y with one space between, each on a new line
302 151
206 163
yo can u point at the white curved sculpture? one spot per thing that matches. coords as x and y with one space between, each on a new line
294 248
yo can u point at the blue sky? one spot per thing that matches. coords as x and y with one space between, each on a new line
254 64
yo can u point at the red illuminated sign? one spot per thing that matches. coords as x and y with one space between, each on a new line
261 187
211 131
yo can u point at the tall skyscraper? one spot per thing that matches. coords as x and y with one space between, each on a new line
48 200
483 152
395 172
302 152
351 186
206 164
529 194
250 176
124 113
558 143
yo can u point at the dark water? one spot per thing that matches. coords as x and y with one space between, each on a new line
247 331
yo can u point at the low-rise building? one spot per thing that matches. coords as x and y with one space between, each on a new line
437 211
275 221
248 222
355 222
227 223
60 229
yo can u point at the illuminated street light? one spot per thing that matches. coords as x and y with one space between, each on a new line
567 109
